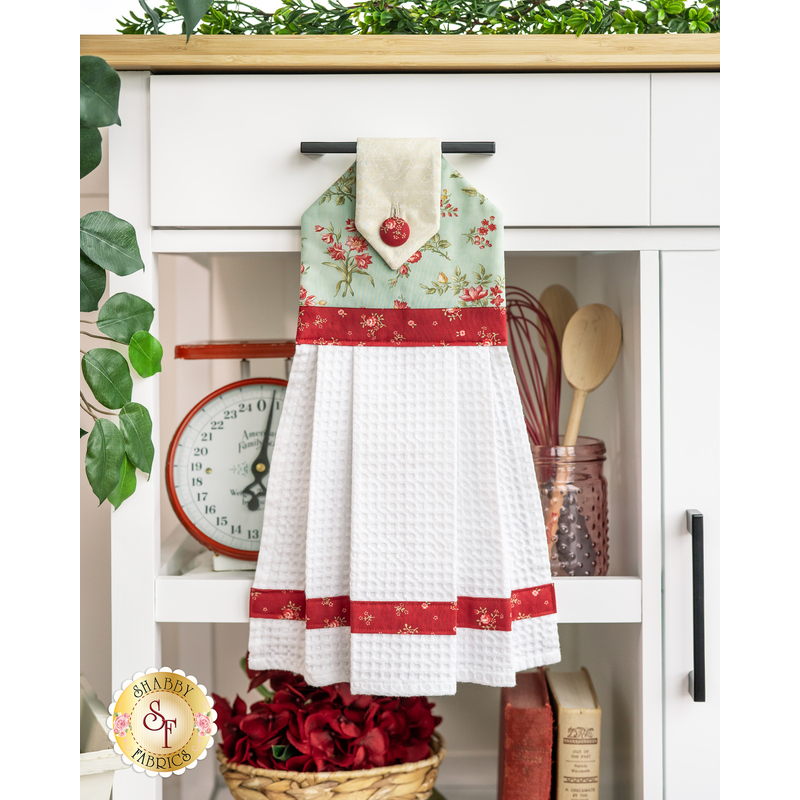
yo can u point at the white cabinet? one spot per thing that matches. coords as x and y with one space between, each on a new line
209 165
691 377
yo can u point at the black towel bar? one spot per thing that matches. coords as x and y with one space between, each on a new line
319 148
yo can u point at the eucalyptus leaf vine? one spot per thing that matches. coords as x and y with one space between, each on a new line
428 17
114 450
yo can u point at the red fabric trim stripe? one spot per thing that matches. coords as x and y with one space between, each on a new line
421 618
275 604
537 601
434 618
327 612
403 327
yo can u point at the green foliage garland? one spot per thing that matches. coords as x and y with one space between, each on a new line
429 17
108 244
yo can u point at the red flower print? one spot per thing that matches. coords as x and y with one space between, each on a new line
403 269
497 296
485 221
485 619
389 224
350 226
337 252
491 226
373 323
400 304
357 243
290 611
363 260
487 338
473 294
483 231
327 238
319 228
416 257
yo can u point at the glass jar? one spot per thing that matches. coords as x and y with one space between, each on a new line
574 495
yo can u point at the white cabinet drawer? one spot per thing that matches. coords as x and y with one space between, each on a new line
685 176
572 149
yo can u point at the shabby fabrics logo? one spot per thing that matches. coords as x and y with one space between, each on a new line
162 722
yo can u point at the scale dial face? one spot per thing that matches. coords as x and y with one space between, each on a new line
219 461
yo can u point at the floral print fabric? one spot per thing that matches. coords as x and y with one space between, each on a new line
462 266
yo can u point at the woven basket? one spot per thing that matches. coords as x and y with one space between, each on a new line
412 781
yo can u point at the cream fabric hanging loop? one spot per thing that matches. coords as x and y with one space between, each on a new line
398 179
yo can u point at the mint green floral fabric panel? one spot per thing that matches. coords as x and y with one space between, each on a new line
460 267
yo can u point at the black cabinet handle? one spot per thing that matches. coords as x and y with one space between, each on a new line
697 677
318 148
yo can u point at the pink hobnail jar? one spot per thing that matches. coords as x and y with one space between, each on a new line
576 515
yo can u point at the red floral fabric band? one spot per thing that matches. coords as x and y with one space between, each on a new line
434 618
402 326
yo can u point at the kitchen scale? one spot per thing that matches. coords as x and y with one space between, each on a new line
218 463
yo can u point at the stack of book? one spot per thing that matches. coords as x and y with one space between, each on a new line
550 737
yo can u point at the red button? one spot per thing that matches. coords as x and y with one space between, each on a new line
395 231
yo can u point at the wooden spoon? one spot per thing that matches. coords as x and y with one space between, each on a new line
591 344
560 305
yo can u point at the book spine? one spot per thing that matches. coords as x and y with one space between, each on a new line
528 744
578 755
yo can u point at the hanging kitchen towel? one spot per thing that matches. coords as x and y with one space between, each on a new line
403 547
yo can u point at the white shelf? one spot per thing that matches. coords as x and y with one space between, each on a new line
522 240
188 590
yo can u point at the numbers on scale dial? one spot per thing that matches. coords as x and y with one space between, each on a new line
222 463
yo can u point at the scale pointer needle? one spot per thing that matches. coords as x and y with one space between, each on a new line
260 467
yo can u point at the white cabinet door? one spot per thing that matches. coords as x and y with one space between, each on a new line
572 149
690 445
685 149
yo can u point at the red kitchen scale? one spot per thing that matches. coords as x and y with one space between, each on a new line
218 463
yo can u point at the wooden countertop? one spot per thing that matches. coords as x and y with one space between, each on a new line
458 53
